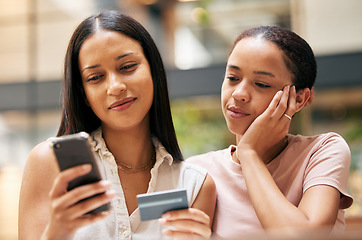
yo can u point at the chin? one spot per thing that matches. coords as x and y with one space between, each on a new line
236 130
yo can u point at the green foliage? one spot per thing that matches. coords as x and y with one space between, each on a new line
200 128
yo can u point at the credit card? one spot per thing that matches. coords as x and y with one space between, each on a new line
153 205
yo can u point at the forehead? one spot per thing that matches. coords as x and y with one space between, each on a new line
258 52
109 42
257 48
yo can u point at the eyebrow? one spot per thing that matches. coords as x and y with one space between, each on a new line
124 55
90 67
255 72
116 58
234 67
264 73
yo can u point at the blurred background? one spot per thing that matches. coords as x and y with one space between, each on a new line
194 38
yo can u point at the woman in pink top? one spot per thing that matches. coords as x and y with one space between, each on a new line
271 179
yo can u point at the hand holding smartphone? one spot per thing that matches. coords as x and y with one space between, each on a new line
73 150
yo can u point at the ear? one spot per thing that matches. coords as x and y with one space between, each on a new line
304 97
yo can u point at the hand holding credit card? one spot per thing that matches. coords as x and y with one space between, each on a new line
153 205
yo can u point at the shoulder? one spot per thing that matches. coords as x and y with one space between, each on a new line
191 167
333 138
42 149
42 154
330 137
329 164
193 171
330 141
208 158
41 163
209 185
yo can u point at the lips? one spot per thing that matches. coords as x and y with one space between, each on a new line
236 112
122 104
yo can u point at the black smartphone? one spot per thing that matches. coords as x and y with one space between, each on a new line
73 150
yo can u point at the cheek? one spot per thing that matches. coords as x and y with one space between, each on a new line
226 93
89 96
91 99
150 92
145 89
261 104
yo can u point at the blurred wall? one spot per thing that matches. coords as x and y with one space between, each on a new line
330 26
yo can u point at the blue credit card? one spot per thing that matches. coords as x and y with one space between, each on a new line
153 205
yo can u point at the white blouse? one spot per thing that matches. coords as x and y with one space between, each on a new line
165 175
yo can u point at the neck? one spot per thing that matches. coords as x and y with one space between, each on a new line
132 147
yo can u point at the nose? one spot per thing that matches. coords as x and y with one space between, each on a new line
115 85
241 92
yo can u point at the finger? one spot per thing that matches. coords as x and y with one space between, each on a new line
292 102
187 226
190 213
81 221
77 194
90 204
273 104
86 191
283 103
79 210
61 182
179 235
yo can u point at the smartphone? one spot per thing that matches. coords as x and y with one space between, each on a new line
73 150
153 205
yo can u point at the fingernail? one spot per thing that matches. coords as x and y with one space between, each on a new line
105 213
293 88
166 215
105 183
86 166
162 220
111 193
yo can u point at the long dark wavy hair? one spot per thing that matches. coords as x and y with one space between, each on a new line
298 55
78 116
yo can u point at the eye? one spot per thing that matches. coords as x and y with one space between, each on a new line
94 78
129 67
232 78
262 85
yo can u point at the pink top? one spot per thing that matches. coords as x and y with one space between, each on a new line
306 162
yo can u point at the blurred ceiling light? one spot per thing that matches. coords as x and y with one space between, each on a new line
198 14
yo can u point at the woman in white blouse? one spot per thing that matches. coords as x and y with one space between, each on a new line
115 89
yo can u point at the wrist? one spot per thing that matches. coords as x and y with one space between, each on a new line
245 155
50 235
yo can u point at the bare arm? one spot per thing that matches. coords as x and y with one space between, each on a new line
195 222
206 200
39 174
317 209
